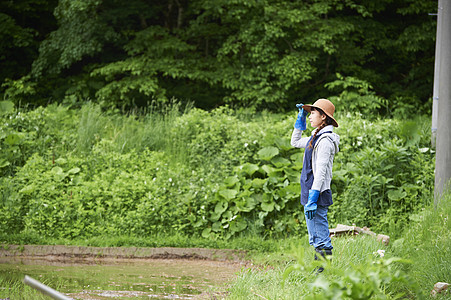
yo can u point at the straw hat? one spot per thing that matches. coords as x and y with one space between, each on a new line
326 106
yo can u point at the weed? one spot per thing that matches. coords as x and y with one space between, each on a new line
92 173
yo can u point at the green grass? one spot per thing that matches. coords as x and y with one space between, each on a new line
425 246
89 163
211 145
17 290
269 282
244 242
410 268
427 243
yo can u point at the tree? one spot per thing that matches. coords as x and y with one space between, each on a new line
264 54
24 25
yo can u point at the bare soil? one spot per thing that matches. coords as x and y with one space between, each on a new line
61 252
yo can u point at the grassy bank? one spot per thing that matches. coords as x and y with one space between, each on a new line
251 243
407 268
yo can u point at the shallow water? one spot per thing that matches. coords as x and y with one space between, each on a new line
124 279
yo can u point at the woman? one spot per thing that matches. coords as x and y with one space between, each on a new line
316 175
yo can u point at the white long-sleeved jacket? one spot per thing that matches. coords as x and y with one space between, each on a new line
322 157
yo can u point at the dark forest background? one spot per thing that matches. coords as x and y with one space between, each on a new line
376 57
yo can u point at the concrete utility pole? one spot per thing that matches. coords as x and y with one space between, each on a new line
436 77
443 153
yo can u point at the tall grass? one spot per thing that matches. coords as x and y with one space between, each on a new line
272 282
427 243
153 128
409 269
90 127
159 132
18 290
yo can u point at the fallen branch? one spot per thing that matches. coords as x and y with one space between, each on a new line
354 230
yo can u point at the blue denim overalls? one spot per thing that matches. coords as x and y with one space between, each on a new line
318 227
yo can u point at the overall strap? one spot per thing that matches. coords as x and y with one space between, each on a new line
317 137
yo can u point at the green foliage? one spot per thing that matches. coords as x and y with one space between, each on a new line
368 280
18 290
260 54
179 176
74 173
12 35
356 96
383 172
24 25
429 244
360 268
6 107
80 33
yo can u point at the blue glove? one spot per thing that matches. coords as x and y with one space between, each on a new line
302 117
311 206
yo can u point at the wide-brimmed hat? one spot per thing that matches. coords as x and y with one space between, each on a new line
326 106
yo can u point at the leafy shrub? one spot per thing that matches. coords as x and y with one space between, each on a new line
370 279
87 172
382 174
356 95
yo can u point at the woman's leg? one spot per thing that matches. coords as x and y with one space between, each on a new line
318 229
319 235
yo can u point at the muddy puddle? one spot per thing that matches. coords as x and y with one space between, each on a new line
126 278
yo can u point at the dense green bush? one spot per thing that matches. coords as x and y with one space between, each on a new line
85 172
384 171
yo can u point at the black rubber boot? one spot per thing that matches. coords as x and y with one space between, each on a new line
323 253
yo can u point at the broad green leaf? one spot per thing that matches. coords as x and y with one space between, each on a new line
293 188
257 197
231 181
228 193
206 232
4 163
217 226
246 204
13 139
27 189
221 207
297 157
215 216
268 153
396 195
340 174
245 193
199 223
238 224
292 172
250 202
268 170
6 107
283 143
267 206
274 179
74 170
280 162
57 170
226 216
258 183
250 169
61 161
